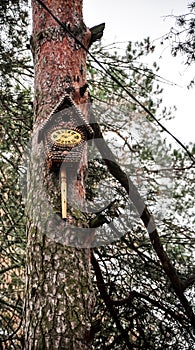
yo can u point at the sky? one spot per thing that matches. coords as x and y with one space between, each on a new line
128 20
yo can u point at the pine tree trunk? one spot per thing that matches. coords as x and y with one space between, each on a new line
59 294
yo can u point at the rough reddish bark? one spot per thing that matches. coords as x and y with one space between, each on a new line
59 62
59 294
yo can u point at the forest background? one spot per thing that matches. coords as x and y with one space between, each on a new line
162 171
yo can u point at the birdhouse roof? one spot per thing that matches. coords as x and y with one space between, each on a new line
65 111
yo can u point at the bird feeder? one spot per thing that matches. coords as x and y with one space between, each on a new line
64 134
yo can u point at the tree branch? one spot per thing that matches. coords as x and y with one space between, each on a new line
146 218
96 33
108 301
134 294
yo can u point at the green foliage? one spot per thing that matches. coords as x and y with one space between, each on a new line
182 36
131 72
14 56
148 310
15 126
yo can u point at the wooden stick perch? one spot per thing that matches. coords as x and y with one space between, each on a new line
63 183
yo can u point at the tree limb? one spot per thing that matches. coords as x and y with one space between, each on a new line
146 218
108 301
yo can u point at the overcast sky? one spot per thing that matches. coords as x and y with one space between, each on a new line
134 20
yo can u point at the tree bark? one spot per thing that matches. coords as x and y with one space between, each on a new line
59 294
